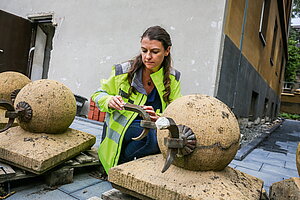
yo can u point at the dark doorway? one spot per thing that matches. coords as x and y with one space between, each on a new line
252 111
15 43
266 104
26 44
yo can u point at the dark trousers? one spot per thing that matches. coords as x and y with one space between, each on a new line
132 149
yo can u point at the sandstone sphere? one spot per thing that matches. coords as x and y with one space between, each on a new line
10 81
53 106
216 129
298 159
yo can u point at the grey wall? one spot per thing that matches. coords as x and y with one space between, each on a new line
93 35
236 69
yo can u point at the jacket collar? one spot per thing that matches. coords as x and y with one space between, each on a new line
137 80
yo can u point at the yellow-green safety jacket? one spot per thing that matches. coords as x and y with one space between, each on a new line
117 121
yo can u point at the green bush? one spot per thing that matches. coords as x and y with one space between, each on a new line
289 116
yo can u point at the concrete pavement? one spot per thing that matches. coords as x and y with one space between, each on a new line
275 158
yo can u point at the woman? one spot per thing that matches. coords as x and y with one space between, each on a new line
148 81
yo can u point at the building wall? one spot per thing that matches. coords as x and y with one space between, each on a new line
238 81
252 47
91 36
290 103
246 70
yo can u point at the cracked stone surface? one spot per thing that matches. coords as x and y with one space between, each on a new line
144 176
216 129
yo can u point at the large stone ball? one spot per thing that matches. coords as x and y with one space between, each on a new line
10 81
298 158
216 129
53 106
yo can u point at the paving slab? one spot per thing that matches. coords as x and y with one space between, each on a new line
254 158
80 181
93 190
39 152
279 170
38 191
254 165
143 177
290 165
283 157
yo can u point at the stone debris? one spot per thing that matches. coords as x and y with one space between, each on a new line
252 130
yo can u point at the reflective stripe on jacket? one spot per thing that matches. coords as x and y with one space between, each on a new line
118 121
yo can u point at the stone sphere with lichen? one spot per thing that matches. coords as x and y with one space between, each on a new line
53 106
9 82
298 159
215 127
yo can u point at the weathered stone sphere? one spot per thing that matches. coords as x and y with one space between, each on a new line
53 106
10 81
298 159
216 129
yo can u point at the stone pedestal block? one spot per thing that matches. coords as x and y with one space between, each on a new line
298 159
39 152
286 189
142 178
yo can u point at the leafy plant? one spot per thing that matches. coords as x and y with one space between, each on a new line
293 64
289 116
296 8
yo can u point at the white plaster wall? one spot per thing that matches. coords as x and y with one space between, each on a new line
38 58
93 35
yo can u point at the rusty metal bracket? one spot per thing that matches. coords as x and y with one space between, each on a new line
9 108
23 112
181 140
146 123
14 94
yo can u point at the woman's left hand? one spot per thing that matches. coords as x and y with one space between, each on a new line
151 112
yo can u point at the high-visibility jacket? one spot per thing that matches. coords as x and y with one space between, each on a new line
117 121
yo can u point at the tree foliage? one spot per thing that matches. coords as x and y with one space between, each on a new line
296 8
293 64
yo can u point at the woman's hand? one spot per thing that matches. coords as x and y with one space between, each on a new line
151 112
116 102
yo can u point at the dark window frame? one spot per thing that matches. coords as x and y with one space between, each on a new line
264 18
274 42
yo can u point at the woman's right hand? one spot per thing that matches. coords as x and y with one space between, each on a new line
116 102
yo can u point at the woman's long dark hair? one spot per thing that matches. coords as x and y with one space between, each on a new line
160 34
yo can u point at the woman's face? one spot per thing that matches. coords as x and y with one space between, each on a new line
153 53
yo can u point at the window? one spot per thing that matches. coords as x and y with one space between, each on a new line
279 60
265 10
281 68
274 43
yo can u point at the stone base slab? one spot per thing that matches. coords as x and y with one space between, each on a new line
39 152
143 177
286 189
